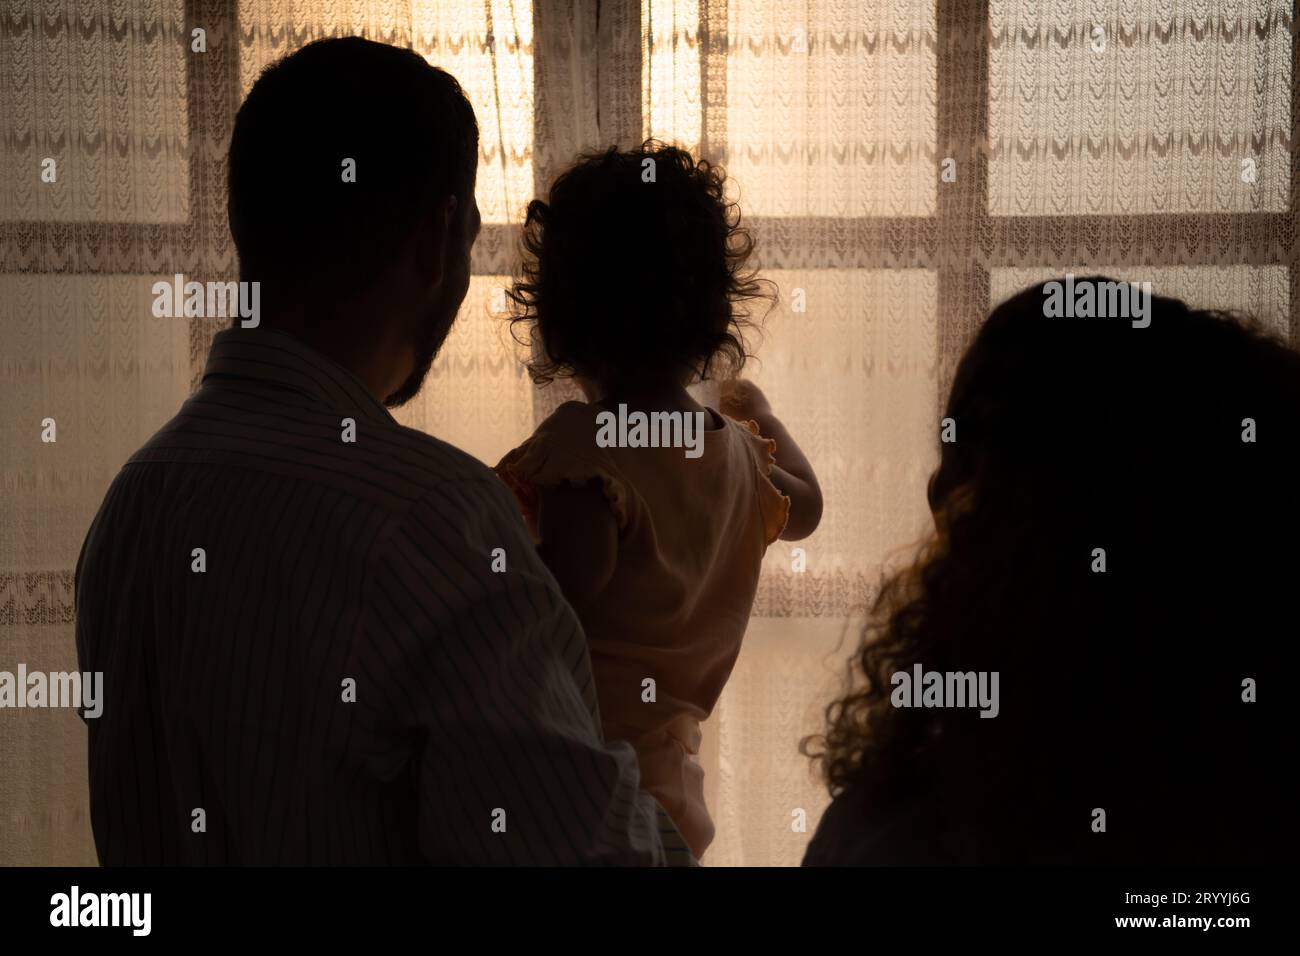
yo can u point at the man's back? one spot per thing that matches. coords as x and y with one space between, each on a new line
314 653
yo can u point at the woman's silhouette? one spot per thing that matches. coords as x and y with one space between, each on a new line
1115 535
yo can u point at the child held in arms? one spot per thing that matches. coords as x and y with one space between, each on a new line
652 511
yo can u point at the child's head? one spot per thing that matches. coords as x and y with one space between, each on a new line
634 270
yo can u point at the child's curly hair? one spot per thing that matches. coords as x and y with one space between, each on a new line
636 262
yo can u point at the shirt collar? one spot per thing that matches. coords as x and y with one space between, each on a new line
275 357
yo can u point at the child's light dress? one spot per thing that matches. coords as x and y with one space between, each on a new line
692 534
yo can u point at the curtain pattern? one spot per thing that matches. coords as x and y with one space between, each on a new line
1139 107
1149 138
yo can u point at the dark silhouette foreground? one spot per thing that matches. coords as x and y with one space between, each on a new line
1121 690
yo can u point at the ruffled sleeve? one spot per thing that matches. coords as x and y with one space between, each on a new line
772 505
562 451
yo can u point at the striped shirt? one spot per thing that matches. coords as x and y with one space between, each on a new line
326 651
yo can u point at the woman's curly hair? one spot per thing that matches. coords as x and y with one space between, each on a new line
1073 435
636 263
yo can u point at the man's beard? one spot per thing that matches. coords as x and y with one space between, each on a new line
438 330
414 382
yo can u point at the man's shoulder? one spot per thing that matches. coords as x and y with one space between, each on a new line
450 474
394 469
441 460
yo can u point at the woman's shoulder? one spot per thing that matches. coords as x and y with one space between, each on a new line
922 820
856 830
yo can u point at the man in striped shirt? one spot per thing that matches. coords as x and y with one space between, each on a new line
327 638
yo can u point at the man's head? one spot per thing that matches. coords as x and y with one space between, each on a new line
351 200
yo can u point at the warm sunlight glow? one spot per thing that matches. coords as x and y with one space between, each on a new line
831 108
670 71
489 48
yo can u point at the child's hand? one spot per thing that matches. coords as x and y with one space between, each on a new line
791 472
743 400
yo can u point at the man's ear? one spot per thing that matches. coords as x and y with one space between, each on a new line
431 240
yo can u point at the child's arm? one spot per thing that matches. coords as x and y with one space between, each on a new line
792 474
579 539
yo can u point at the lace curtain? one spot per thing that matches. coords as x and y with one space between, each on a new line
904 165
